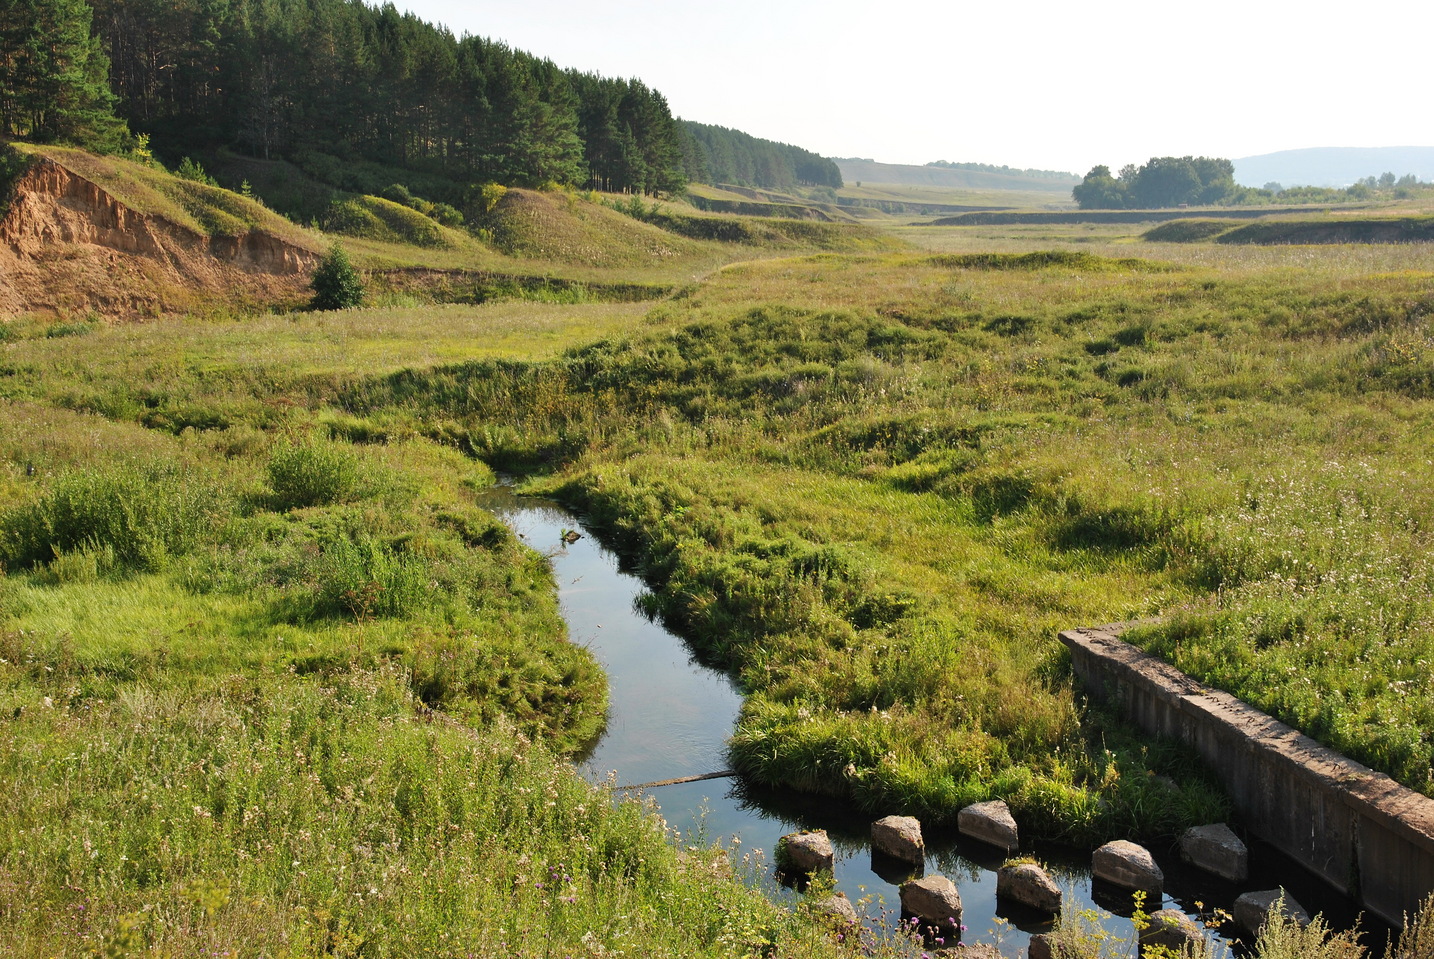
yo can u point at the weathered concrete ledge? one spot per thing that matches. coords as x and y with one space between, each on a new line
1365 834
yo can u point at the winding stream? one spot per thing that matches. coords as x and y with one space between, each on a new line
670 717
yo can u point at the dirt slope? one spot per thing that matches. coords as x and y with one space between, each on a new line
69 247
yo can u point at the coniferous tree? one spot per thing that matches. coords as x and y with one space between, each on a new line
327 82
54 77
336 284
731 156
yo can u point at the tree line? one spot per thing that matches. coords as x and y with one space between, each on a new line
1206 181
277 78
54 76
1162 182
286 78
1029 173
715 154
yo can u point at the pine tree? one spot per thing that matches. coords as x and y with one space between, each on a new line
54 76
336 284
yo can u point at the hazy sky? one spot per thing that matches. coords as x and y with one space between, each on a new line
1029 83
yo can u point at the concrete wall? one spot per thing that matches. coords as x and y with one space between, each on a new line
1367 835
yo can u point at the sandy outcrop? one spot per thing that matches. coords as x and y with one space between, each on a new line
69 247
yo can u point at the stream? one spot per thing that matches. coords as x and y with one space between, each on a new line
670 717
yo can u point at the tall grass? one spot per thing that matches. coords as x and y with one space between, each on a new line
313 472
260 814
141 515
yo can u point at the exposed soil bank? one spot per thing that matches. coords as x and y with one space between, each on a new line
1358 829
68 246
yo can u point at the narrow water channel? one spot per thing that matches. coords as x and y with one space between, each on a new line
670 718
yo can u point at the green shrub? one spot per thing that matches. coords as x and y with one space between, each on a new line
72 328
192 170
398 193
367 578
447 215
1282 937
336 284
139 515
1417 939
315 472
487 195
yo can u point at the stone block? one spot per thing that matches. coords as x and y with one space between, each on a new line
1253 908
900 838
1173 930
1216 849
805 852
837 907
990 822
1128 865
1030 885
932 899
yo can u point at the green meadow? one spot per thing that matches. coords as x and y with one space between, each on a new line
273 682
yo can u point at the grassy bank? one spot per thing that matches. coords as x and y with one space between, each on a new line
272 682
878 501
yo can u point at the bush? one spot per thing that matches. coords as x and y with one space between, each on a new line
336 283
398 193
313 473
189 169
367 578
139 515
447 215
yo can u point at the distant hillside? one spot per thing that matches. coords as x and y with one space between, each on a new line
950 177
1333 166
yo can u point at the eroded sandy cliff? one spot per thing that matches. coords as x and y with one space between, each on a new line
67 247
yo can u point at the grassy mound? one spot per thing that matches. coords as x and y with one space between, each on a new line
780 234
567 228
1187 231
1407 229
1045 259
374 218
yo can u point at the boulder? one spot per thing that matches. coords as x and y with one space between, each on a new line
1253 908
1173 930
932 899
1044 946
990 822
1029 885
837 907
1216 849
808 852
1128 865
900 838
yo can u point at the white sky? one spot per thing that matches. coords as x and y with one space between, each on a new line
1028 83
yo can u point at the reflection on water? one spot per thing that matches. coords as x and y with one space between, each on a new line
670 717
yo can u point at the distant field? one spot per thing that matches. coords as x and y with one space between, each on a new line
935 198
867 171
